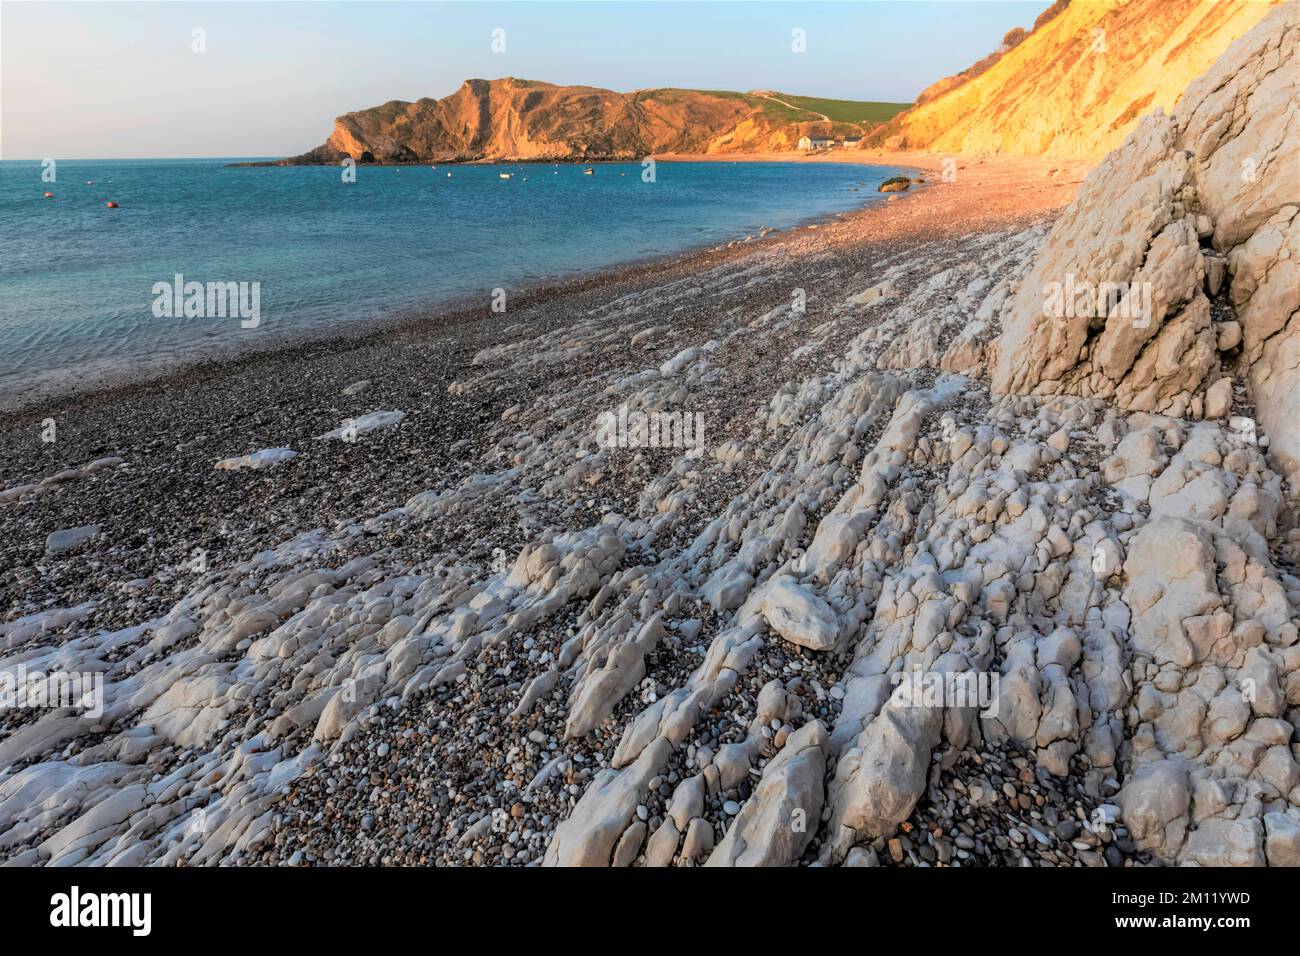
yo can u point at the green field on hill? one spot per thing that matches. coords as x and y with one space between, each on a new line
847 111
800 109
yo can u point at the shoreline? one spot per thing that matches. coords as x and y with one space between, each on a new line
65 385
782 157
456 311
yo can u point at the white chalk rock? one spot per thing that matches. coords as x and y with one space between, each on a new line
257 460
797 614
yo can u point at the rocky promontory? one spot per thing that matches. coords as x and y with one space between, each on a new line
526 120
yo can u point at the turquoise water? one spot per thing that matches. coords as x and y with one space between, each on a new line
77 278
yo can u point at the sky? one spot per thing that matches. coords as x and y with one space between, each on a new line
124 80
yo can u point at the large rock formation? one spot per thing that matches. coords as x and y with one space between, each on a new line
1078 83
1178 264
512 119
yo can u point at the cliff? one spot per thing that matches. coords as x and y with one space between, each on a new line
1078 83
511 119
1195 219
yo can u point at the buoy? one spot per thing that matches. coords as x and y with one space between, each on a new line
112 205
49 195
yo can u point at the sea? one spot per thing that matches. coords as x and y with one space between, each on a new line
90 293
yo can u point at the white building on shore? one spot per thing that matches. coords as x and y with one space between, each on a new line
808 142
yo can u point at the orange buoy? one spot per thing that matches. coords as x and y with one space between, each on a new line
49 195
112 205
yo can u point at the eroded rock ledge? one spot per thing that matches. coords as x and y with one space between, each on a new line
1195 223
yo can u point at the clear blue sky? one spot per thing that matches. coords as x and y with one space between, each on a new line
92 80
